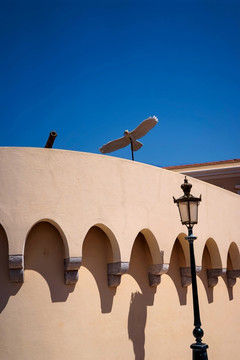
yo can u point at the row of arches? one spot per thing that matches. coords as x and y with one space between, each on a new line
153 243
45 254
44 229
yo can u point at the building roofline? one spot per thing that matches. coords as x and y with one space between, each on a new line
202 164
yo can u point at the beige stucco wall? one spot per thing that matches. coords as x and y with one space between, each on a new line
51 201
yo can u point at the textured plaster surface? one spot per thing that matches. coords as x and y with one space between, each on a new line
71 190
51 200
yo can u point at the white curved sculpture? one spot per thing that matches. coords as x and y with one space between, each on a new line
130 137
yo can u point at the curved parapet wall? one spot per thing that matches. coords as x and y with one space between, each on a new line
75 191
65 215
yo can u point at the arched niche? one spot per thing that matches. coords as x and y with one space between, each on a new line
233 259
214 254
95 236
45 253
97 253
156 254
179 271
3 254
184 260
115 250
156 264
58 228
233 265
140 261
7 288
212 263
184 248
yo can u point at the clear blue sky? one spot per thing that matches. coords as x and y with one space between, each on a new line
91 69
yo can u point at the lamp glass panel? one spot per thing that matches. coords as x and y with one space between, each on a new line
183 209
194 211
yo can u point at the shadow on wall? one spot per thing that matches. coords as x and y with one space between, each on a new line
7 288
137 317
233 264
211 260
44 253
97 252
177 261
225 279
206 264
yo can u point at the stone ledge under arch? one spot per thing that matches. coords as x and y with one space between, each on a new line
115 271
71 267
232 276
186 276
213 274
16 268
155 272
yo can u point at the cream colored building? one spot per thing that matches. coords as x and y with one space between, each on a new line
225 174
94 264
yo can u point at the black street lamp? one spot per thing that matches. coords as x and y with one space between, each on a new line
188 209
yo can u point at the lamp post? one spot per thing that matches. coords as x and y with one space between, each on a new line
188 209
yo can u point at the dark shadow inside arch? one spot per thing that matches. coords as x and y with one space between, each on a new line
96 254
177 261
44 253
233 263
137 318
206 264
156 253
211 259
7 289
229 267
